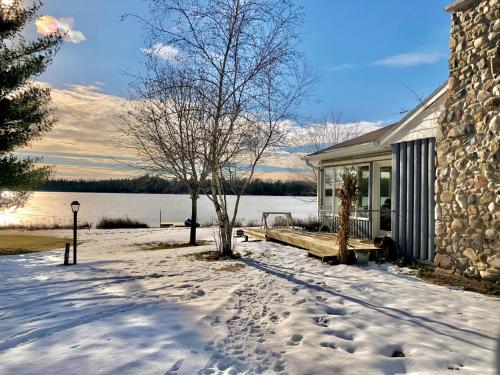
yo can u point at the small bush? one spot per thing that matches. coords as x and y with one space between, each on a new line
120 223
311 224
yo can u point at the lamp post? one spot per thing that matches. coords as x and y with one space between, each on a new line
75 206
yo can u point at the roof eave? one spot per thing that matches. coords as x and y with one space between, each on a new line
352 151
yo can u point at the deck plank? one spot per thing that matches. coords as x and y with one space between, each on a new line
320 244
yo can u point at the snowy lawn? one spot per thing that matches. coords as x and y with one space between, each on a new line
125 310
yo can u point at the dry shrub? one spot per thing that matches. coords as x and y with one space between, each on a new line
120 223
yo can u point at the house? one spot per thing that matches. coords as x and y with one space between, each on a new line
396 173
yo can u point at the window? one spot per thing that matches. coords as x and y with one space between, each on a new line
363 191
332 182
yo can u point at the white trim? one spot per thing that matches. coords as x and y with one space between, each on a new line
376 198
392 136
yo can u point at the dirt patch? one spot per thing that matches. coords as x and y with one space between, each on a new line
211 256
459 281
168 245
235 267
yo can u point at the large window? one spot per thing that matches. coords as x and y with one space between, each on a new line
332 182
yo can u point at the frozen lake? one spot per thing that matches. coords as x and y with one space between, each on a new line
53 207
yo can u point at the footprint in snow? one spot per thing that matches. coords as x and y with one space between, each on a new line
329 345
321 321
334 311
175 368
295 340
340 334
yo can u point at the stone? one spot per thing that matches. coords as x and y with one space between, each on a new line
490 274
458 225
480 182
461 200
494 125
447 196
490 234
495 263
478 42
471 254
443 261
492 103
486 198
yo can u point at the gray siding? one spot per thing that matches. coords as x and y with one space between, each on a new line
413 193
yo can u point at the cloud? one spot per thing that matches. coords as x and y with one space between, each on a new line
410 59
163 51
47 25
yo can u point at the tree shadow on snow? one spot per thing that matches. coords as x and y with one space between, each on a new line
394 313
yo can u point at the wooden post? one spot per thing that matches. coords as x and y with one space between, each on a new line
66 254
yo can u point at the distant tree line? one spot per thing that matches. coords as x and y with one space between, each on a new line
158 185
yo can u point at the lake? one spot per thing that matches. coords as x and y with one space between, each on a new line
52 207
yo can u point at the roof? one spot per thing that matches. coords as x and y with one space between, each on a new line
376 136
370 137
460 5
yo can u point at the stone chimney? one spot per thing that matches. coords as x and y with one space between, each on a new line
467 176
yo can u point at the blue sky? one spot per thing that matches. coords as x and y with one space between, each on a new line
364 52
342 40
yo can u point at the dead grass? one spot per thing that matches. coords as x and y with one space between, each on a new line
42 226
211 256
14 243
120 223
235 267
462 282
151 246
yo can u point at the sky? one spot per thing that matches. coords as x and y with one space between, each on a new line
373 59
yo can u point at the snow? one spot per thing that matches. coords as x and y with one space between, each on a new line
126 310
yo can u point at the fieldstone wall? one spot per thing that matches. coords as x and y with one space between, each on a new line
467 177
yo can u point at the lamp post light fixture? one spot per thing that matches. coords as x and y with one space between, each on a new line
75 206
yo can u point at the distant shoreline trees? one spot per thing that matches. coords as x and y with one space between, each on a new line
157 185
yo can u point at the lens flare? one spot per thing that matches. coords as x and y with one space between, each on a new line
47 25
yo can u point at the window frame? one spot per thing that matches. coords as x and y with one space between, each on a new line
334 206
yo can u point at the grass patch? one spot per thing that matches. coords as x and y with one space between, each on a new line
236 267
151 246
459 281
42 226
14 243
120 223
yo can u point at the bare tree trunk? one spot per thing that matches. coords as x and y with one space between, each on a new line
343 235
347 194
194 219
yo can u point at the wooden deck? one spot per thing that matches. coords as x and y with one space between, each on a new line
320 244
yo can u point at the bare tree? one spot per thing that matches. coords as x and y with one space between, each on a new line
329 131
241 56
164 127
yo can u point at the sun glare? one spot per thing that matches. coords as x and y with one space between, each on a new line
7 3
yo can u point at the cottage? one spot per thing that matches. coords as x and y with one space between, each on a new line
396 172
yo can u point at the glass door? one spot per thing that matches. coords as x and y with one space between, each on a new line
382 204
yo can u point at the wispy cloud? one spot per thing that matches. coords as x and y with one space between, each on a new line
47 25
163 51
336 68
410 59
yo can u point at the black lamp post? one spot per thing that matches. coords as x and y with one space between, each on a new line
75 206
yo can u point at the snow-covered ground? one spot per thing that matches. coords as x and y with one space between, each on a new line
124 310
